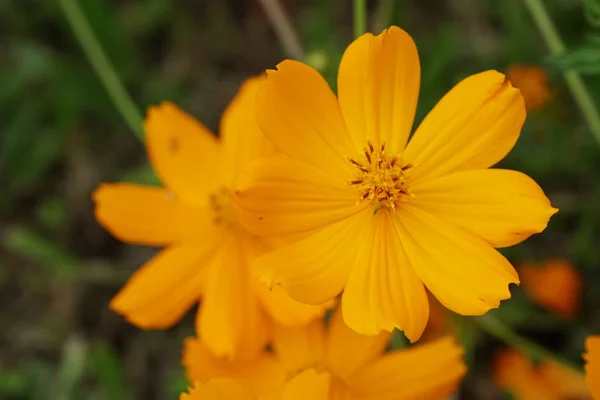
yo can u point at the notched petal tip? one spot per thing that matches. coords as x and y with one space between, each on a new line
98 193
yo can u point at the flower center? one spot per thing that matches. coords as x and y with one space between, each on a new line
223 212
380 177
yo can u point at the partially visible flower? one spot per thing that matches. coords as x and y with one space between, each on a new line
554 284
358 366
438 324
385 217
515 373
592 365
533 83
207 253
565 382
263 373
219 389
307 385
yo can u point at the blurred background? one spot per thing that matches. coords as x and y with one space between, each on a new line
60 136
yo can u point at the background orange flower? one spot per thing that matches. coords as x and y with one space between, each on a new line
554 284
533 83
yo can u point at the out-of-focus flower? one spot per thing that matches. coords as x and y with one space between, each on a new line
207 253
533 83
553 284
592 365
358 366
515 373
438 324
219 389
306 385
386 218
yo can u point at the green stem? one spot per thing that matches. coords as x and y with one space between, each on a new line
383 15
284 29
360 17
101 64
573 78
504 333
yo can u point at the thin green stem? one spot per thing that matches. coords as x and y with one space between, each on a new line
360 17
574 81
284 29
501 331
103 67
383 15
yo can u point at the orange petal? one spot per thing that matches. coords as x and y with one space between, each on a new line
162 290
555 285
348 351
184 153
308 385
263 373
501 206
378 88
464 272
515 373
148 215
565 382
231 320
592 366
242 139
429 371
219 389
300 347
472 127
383 292
279 195
299 113
285 310
314 270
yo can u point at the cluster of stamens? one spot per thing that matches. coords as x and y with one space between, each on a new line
381 178
221 206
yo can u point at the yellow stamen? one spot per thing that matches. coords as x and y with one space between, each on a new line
380 178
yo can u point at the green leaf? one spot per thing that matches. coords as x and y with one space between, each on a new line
108 370
584 59
71 369
13 382
36 248
591 10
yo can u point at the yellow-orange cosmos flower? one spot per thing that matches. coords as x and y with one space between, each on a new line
350 365
207 253
592 365
382 219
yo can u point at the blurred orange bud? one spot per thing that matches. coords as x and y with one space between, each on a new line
533 83
555 285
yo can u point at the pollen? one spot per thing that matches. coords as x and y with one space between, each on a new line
380 177
221 207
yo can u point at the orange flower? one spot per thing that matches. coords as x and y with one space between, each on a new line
592 365
533 83
381 219
515 373
555 285
438 324
307 385
218 389
357 366
207 253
